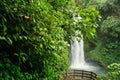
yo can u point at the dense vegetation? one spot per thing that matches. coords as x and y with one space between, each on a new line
35 34
105 48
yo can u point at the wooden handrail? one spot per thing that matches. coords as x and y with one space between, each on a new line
81 74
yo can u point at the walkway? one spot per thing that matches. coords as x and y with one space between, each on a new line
80 75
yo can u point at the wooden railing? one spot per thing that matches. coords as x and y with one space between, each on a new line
80 75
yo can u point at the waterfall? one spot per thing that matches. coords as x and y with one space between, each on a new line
77 53
77 56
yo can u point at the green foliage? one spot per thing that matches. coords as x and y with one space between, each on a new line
114 71
102 77
88 23
106 46
9 71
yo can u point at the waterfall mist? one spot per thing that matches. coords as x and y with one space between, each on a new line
77 56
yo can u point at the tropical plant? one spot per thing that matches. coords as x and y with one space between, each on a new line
114 71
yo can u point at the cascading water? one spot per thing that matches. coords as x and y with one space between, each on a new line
77 56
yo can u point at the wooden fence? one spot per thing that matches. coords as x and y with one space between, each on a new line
79 75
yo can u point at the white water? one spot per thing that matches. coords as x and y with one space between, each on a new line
77 56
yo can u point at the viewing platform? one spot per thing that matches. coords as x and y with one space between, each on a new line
80 75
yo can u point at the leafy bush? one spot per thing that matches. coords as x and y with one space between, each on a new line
114 71
33 39
102 77
10 71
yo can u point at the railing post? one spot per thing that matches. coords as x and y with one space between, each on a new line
74 73
82 74
91 74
